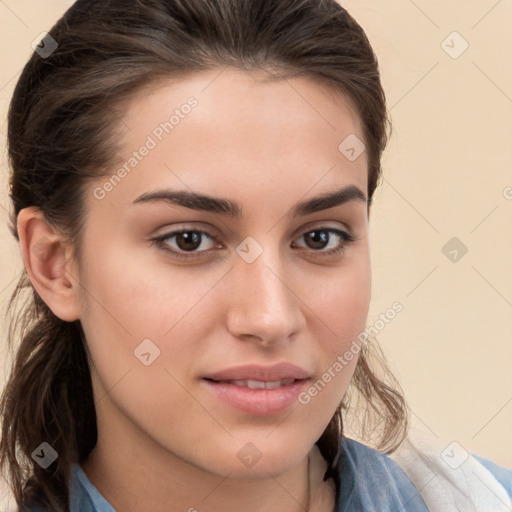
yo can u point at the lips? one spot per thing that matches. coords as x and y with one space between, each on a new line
281 371
259 384
258 390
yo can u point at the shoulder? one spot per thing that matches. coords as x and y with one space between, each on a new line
424 474
451 478
83 496
501 474
372 481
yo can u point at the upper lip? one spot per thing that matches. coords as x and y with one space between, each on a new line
272 373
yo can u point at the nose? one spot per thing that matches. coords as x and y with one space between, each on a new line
263 305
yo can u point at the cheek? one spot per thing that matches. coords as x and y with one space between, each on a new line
140 331
145 326
339 309
138 297
341 302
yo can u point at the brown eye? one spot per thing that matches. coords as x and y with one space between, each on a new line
188 240
185 241
319 239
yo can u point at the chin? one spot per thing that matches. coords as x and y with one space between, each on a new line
263 458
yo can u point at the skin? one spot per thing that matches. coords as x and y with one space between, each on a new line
165 442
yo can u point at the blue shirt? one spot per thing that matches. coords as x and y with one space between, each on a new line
370 482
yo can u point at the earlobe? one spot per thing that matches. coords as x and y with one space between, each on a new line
46 259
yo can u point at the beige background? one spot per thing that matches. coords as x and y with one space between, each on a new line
447 170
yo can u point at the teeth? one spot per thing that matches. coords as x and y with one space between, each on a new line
255 384
259 384
275 384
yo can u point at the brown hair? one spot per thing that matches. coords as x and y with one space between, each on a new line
60 127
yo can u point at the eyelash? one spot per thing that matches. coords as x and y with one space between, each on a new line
159 242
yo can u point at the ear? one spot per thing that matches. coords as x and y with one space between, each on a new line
48 263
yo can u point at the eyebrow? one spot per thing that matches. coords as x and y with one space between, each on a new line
202 202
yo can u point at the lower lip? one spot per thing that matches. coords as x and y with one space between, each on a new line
258 402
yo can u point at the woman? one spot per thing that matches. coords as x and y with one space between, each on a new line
191 186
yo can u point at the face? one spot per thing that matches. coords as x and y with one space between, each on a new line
187 305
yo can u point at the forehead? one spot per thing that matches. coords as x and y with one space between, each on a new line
236 132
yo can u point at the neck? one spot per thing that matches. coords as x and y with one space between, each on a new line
133 473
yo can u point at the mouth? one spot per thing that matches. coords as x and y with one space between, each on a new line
257 373
258 390
257 384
